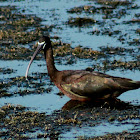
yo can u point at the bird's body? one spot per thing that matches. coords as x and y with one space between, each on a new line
85 85
81 84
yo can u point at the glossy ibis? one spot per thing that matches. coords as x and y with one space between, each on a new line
82 85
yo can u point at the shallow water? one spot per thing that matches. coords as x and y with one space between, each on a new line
101 129
55 12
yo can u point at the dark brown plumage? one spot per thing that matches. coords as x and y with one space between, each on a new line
81 84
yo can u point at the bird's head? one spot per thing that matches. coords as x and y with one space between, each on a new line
44 43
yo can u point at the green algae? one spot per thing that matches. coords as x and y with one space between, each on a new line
81 9
77 51
116 64
16 27
21 53
7 71
114 2
117 50
24 86
108 11
138 31
114 136
81 21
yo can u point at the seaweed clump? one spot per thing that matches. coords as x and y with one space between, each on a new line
114 2
77 51
81 21
114 136
16 28
18 122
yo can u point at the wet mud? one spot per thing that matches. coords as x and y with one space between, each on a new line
21 123
18 29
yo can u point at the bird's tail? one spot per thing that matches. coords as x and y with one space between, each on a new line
135 84
128 84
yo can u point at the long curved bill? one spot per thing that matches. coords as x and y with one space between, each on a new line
34 55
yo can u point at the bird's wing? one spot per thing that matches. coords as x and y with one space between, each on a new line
124 83
89 84
96 84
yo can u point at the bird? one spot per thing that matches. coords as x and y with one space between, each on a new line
82 85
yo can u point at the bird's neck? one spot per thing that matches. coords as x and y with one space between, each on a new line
52 71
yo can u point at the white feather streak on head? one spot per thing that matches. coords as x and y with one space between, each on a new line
42 43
